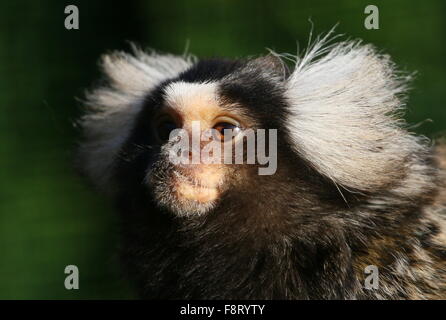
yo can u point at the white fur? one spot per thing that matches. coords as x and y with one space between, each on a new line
180 95
345 119
112 109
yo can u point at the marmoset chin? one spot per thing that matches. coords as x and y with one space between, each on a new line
261 178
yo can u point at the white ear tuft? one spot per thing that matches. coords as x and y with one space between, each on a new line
112 109
345 102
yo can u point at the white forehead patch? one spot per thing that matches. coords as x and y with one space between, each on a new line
181 94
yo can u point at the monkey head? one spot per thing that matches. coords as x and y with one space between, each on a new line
328 117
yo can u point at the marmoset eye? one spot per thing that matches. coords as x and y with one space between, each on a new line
223 128
164 127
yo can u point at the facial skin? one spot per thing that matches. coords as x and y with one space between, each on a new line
198 183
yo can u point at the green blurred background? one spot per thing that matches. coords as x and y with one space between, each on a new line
48 217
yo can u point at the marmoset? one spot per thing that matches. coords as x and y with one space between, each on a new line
352 186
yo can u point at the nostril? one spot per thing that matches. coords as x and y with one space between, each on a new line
189 154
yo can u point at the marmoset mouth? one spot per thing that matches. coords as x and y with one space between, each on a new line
193 188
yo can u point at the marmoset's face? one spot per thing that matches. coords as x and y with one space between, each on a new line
203 148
